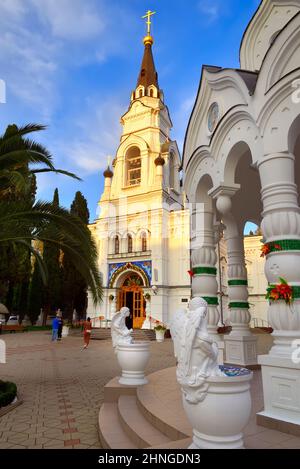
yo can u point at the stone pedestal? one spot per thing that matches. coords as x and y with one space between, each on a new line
240 350
281 384
221 347
240 345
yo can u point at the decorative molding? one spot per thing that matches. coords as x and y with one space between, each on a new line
236 282
239 304
204 270
210 300
143 268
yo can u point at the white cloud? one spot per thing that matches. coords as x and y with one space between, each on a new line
41 41
12 9
211 9
72 19
29 76
98 132
181 118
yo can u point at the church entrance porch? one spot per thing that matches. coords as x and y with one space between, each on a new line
131 295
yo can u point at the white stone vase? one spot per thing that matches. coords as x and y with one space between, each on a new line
218 421
133 359
160 335
65 331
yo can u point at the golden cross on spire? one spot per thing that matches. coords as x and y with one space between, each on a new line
148 22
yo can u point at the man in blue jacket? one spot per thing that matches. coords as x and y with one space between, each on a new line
55 326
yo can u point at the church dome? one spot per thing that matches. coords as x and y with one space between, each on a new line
159 161
108 173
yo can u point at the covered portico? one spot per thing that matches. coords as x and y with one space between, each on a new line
242 163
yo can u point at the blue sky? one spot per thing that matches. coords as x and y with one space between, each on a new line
72 64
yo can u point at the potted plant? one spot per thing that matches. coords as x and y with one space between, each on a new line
65 329
160 331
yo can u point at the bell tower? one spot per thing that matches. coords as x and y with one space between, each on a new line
142 231
147 160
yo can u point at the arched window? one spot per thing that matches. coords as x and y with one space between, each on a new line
144 242
140 93
117 245
133 166
172 171
151 92
129 243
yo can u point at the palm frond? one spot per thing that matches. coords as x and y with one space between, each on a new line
57 171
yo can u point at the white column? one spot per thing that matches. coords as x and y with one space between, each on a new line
204 280
281 227
281 230
240 345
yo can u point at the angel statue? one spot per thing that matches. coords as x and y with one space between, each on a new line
120 334
196 352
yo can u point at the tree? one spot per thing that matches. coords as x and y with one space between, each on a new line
22 222
35 295
74 285
52 297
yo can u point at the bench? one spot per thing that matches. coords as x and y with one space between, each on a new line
13 328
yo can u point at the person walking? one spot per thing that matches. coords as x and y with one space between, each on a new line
60 327
87 330
55 325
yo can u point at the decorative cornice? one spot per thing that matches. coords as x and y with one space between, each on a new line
228 191
204 270
237 282
211 300
239 305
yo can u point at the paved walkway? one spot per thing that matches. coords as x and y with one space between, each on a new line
62 387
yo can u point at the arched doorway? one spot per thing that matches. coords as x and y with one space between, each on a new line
131 296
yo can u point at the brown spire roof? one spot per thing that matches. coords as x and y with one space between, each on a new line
148 75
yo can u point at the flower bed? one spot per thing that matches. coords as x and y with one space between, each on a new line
8 392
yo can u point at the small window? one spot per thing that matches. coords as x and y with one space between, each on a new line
151 93
144 242
140 93
117 245
129 243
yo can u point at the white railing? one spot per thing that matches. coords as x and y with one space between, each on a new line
258 322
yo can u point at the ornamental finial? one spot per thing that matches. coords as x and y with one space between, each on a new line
148 39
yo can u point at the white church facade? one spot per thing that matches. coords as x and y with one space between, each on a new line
142 232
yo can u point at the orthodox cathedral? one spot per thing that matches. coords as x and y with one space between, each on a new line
142 232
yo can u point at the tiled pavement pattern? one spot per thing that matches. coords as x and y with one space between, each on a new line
62 388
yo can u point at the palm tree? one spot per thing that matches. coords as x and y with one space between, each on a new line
22 220
17 153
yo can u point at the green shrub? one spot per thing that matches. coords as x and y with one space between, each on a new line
38 328
8 392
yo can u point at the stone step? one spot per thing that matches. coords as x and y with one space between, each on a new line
111 433
101 334
141 432
178 444
174 425
143 334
